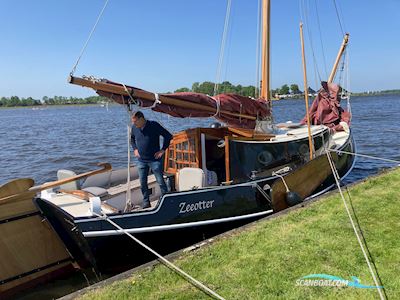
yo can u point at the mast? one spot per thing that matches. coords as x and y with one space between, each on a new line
265 44
341 50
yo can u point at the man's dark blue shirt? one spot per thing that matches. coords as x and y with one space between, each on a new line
147 140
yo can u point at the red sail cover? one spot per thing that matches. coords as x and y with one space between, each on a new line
326 108
221 106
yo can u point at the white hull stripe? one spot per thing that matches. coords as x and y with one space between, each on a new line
173 226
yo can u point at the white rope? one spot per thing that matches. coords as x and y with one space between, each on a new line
336 176
366 156
166 262
223 43
90 36
156 101
218 108
283 180
128 202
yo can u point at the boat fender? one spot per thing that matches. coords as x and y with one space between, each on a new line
292 198
95 205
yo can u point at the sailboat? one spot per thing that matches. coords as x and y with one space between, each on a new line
218 178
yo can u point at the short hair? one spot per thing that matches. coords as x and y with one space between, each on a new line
138 114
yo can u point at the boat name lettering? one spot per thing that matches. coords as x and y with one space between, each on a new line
184 208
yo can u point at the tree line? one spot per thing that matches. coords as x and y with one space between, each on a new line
207 87
56 100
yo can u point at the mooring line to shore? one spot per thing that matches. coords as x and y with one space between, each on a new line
366 156
166 262
337 179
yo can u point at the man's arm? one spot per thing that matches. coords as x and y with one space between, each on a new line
166 135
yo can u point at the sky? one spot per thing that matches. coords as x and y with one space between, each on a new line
164 45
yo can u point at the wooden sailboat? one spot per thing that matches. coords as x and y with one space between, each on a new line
219 178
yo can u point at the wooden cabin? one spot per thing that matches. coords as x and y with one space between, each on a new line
201 155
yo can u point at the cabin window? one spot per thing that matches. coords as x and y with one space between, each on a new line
182 153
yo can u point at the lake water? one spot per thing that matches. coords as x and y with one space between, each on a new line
36 143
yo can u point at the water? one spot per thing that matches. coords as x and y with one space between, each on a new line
36 143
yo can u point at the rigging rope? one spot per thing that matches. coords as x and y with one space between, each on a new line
366 156
223 43
88 39
166 262
304 16
338 17
320 38
337 179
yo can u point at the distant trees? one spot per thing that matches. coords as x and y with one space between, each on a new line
226 87
56 100
295 89
207 87
284 90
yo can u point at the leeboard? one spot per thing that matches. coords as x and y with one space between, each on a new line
303 180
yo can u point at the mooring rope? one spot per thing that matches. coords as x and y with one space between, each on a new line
88 39
366 156
337 179
166 262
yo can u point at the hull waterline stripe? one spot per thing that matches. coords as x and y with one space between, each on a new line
173 226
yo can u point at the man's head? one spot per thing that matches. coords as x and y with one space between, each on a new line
138 119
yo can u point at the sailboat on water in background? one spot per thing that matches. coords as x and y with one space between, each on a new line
219 177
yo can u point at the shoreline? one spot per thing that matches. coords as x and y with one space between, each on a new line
113 103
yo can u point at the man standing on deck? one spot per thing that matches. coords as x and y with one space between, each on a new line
145 140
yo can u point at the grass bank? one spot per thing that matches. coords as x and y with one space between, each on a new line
265 260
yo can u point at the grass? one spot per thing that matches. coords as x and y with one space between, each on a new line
265 260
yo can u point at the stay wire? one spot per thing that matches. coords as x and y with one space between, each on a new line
223 44
366 156
88 39
305 20
320 38
338 17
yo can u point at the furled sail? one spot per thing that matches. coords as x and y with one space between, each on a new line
231 109
326 108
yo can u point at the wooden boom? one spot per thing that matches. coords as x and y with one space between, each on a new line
142 94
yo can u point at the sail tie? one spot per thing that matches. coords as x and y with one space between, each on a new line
218 106
156 100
